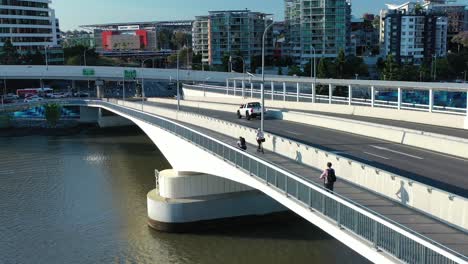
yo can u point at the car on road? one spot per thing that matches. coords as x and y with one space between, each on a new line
81 94
33 99
250 110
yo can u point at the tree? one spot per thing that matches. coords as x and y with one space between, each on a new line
295 71
325 68
340 64
280 70
37 58
461 39
53 113
180 39
390 71
9 55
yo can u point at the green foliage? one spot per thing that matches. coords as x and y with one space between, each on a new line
37 58
326 68
9 54
295 71
340 64
461 38
52 114
391 71
280 70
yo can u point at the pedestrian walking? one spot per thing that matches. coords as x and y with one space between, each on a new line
260 140
329 177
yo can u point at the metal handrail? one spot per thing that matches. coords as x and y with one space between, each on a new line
406 245
359 101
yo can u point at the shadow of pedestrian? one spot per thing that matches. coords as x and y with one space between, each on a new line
298 157
402 194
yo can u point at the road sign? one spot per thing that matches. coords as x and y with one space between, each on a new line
130 74
88 72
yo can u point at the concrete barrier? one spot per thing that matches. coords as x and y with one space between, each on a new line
437 203
430 141
437 119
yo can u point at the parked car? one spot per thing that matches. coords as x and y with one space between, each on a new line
249 110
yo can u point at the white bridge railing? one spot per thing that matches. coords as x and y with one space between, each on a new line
298 96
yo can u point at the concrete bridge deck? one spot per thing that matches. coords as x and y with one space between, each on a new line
434 169
432 229
446 131
452 238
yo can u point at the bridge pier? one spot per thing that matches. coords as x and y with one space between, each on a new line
188 201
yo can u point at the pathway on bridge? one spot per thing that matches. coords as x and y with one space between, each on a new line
420 223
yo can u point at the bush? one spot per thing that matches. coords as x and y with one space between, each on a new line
53 113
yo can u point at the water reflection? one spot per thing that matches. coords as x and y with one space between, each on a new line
82 199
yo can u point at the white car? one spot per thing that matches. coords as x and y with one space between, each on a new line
33 99
249 110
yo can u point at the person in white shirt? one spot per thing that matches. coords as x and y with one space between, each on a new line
260 140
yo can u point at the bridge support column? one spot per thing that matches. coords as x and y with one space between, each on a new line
171 206
284 91
372 96
298 86
272 91
400 96
431 100
330 93
350 95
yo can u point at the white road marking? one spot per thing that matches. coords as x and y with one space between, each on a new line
293 133
398 152
375 155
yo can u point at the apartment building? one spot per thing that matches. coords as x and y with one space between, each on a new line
412 34
31 25
320 25
229 33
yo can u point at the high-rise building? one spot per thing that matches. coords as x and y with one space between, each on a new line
412 34
30 25
229 33
457 15
323 25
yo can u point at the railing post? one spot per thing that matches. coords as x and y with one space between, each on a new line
376 236
372 96
235 87
251 90
397 245
272 91
467 103
323 204
310 198
330 93
423 255
284 92
431 100
338 215
400 95
227 87
298 86
350 95
314 93
243 89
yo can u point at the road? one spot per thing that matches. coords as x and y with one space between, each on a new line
438 170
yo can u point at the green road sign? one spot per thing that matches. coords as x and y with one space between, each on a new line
130 74
88 72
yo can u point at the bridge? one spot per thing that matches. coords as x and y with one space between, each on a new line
428 227
381 230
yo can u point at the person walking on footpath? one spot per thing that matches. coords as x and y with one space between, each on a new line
242 144
329 177
260 140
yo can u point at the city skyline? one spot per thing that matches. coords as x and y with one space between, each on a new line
148 10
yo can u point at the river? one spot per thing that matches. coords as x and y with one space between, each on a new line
82 199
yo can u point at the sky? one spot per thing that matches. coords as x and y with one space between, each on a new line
73 13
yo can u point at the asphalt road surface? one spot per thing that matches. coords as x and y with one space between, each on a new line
441 171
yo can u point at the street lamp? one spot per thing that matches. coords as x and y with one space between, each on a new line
204 86
46 57
243 67
262 115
